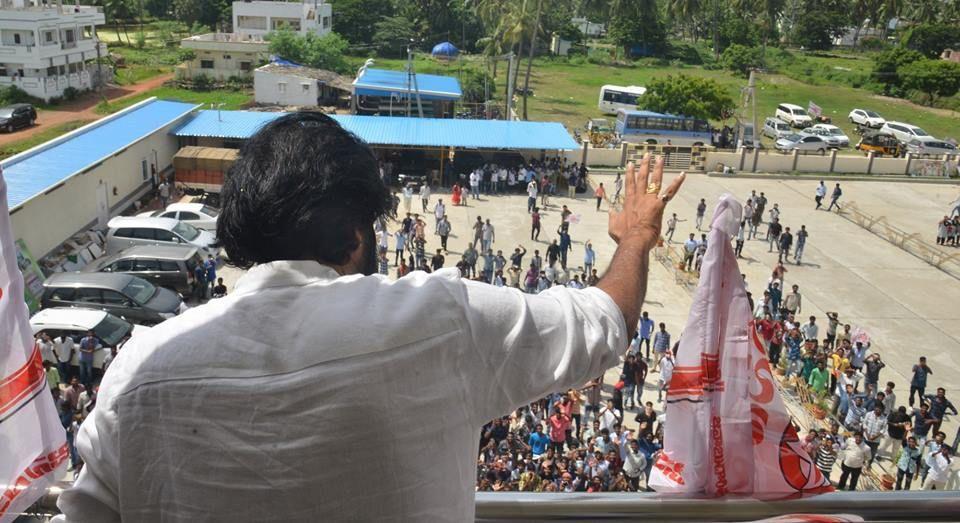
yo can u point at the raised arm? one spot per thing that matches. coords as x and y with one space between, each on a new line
636 228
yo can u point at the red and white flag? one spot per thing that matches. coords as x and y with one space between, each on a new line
727 430
33 441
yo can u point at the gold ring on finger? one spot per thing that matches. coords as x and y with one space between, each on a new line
653 188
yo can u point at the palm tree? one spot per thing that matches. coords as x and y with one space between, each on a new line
923 11
533 45
685 11
889 9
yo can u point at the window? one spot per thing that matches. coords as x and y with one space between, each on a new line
281 87
85 295
164 235
184 215
16 38
143 233
146 265
122 266
169 266
124 232
48 37
69 36
114 298
170 214
144 172
245 66
326 22
62 294
51 71
88 32
227 57
206 64
305 88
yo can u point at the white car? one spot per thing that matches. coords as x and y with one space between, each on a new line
931 147
197 214
867 118
794 115
76 321
831 133
776 128
802 142
905 132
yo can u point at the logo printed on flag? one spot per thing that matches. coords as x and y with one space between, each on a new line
35 446
728 431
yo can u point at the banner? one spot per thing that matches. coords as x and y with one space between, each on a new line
814 110
727 430
34 443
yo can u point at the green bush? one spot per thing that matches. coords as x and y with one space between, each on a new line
741 60
202 82
684 52
141 40
872 43
70 93
14 95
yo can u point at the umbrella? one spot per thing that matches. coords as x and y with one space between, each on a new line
445 50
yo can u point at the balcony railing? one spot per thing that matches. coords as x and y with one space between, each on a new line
614 507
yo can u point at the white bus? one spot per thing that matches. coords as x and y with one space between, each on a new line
614 97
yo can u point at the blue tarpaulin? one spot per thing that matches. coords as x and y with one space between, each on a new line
445 50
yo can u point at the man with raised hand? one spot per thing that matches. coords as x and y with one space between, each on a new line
251 428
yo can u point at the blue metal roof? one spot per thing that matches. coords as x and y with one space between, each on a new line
403 131
37 170
381 82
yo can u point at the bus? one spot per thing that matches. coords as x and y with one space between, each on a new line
656 128
615 97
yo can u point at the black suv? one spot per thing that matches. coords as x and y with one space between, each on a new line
16 116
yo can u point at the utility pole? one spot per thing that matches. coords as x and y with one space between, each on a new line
412 83
510 85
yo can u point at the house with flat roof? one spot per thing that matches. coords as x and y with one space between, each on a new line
221 56
47 47
290 84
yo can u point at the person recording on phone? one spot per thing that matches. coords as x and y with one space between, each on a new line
236 409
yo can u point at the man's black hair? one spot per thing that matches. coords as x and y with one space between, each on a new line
302 188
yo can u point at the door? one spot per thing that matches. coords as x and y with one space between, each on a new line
103 206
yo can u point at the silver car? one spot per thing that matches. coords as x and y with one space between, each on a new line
802 142
931 147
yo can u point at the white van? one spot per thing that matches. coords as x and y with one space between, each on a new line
776 128
127 231
75 322
794 115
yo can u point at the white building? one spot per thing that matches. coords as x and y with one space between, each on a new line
276 84
46 48
224 55
257 18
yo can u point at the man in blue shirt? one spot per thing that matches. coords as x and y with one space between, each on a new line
939 405
919 381
775 296
538 441
565 245
88 345
646 330
661 344
922 421
649 449
211 266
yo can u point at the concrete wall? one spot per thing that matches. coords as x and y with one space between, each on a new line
850 163
282 89
48 220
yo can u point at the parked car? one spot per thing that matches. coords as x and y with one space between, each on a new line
830 133
937 147
802 142
75 322
124 295
169 267
905 132
17 116
197 214
794 115
127 231
866 118
776 128
880 144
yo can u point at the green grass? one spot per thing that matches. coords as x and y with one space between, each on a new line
143 64
230 99
46 135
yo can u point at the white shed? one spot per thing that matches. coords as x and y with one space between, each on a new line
294 85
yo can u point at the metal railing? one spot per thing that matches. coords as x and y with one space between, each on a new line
871 506
610 506
948 262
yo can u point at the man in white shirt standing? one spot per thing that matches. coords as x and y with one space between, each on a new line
425 196
531 195
820 195
939 469
251 428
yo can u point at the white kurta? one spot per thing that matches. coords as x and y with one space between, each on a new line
307 396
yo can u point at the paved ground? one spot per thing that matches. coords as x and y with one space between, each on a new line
908 307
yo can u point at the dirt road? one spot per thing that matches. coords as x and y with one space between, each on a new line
82 108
